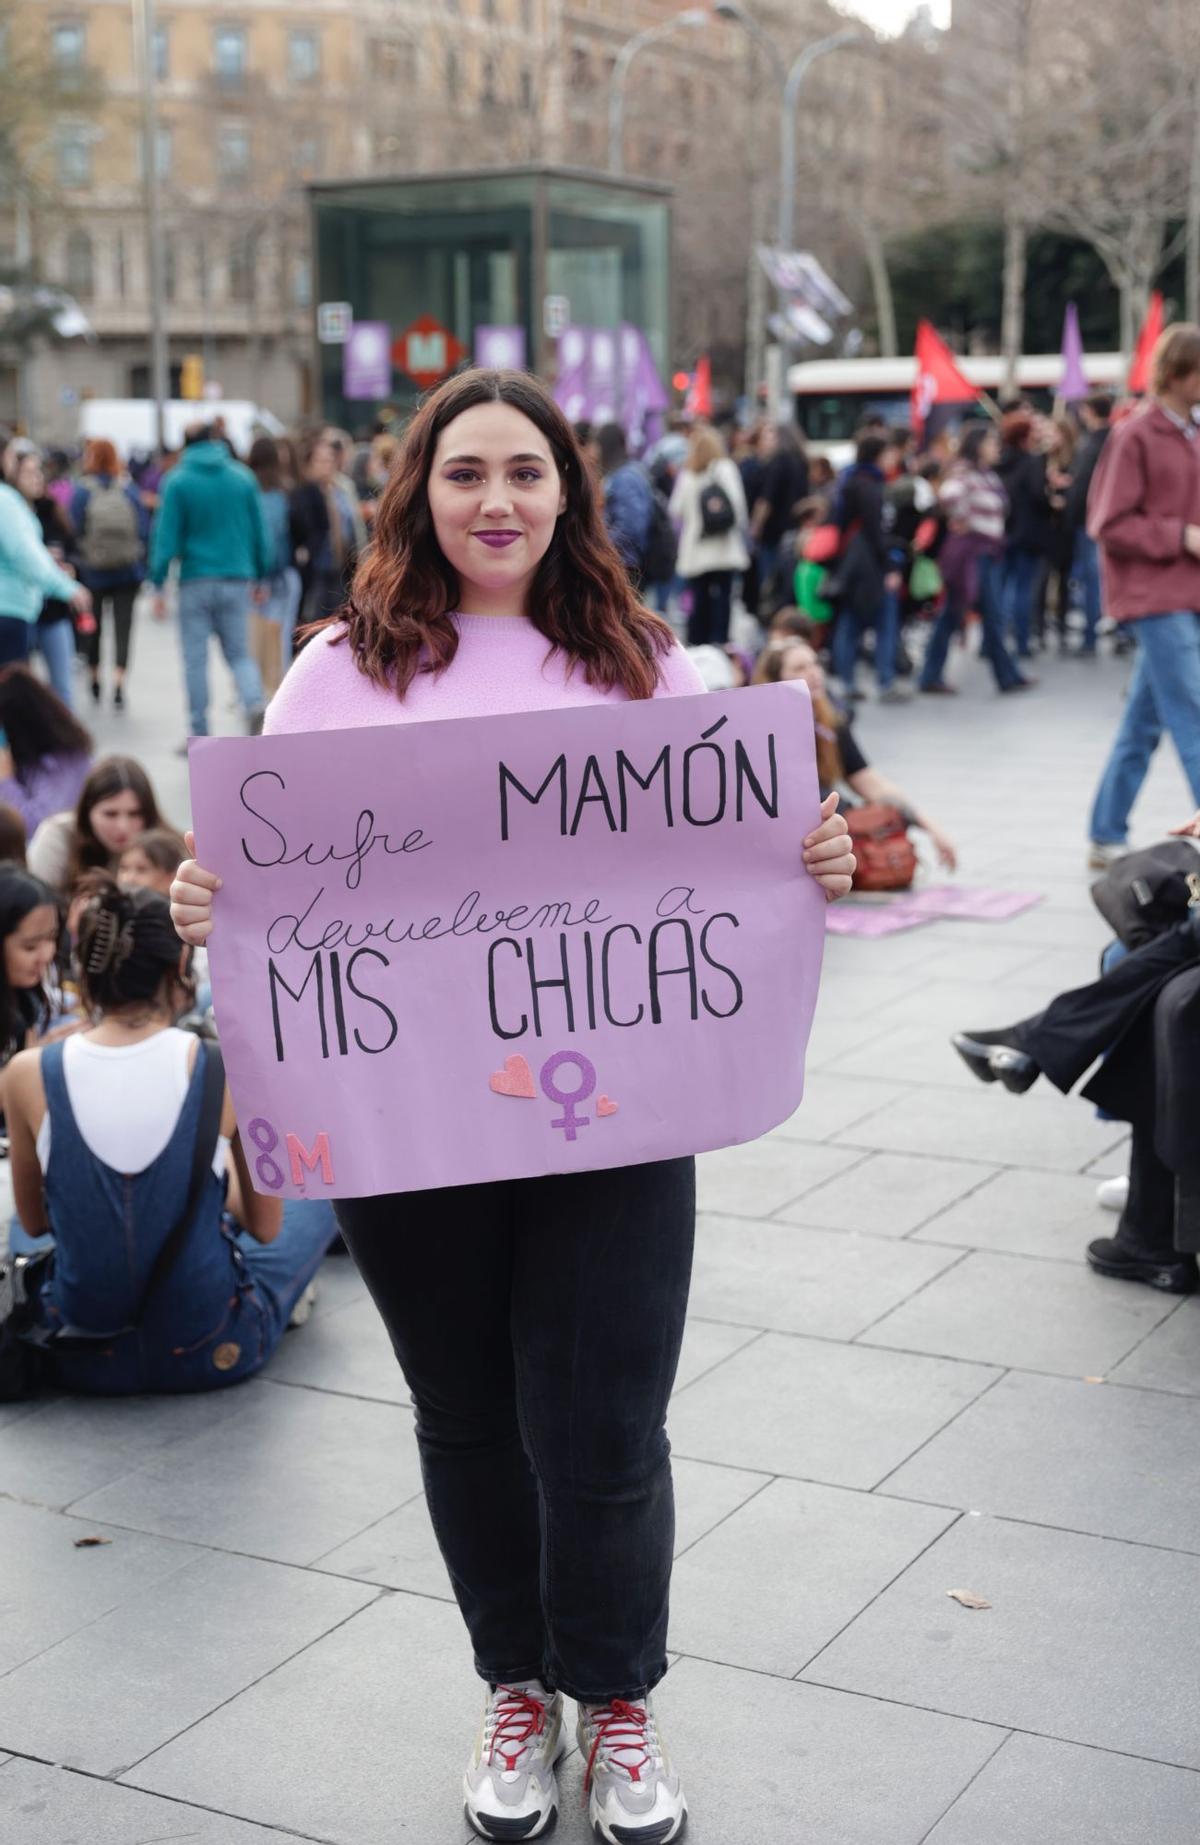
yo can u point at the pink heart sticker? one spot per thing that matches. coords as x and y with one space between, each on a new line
516 1078
605 1107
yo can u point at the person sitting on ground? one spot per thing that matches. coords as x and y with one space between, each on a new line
31 934
103 1133
1139 1017
115 804
150 860
840 761
46 752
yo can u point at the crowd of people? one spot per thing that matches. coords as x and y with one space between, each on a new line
150 1262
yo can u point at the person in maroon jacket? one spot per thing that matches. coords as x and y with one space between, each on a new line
1144 513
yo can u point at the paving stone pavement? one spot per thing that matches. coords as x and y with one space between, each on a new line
898 1380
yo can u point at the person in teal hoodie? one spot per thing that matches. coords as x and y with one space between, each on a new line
28 575
210 521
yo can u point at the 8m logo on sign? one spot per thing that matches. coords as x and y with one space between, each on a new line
427 351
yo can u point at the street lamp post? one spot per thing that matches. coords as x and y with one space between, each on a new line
691 17
160 370
792 81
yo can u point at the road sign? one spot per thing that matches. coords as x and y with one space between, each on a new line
427 351
556 315
334 320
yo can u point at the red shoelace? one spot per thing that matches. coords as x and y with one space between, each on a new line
614 1722
519 1716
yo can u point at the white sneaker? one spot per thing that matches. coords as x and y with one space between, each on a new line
509 1790
1113 1194
634 1795
302 1312
1100 857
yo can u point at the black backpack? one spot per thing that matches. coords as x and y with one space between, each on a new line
716 511
658 561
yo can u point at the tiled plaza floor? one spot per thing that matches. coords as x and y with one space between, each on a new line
899 1380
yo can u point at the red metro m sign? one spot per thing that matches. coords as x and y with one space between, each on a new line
427 351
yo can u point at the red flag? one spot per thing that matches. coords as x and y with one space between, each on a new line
1148 338
699 398
938 379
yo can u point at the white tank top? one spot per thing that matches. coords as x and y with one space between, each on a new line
127 1099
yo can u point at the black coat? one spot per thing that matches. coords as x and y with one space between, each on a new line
1024 477
859 575
1086 457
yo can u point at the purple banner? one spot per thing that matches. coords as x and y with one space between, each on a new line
500 349
610 377
367 360
1073 384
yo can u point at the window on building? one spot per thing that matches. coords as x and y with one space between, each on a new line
489 9
233 150
581 68
229 55
79 277
160 54
170 269
3 43
487 84
68 46
242 263
306 155
164 152
452 74
527 15
120 267
302 282
304 57
393 61
74 157
526 90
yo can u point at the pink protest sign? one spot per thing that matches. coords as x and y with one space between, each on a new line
499 947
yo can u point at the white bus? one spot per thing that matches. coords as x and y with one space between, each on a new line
833 397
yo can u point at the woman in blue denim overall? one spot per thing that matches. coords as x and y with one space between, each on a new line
103 1128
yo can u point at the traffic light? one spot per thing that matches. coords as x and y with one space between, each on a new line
191 377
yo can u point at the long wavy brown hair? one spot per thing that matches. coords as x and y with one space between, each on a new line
769 671
398 621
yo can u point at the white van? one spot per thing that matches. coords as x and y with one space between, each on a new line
129 422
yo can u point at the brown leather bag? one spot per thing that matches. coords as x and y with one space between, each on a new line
879 836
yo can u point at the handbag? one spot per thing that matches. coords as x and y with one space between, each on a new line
1147 892
26 1348
884 853
924 580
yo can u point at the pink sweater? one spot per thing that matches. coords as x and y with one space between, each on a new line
501 665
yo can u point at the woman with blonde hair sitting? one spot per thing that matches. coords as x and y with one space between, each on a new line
709 504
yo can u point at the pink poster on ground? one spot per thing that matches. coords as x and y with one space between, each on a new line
499 947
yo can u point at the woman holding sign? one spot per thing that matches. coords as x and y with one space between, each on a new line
537 1321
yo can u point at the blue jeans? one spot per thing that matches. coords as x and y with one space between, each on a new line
283 605
848 631
1164 694
216 606
1086 571
55 641
992 648
1020 578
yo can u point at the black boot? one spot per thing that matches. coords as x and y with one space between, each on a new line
1171 1272
995 1056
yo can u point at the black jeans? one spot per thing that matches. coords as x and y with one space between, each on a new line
712 605
121 601
538 1323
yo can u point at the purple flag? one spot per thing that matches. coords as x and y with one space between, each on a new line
1073 384
500 349
367 360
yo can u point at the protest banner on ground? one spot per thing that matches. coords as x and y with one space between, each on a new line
498 947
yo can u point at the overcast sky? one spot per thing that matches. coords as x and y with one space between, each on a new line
891 15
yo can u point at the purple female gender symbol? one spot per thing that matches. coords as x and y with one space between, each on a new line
568 1121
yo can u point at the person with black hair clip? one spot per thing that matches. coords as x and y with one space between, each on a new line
123 1144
